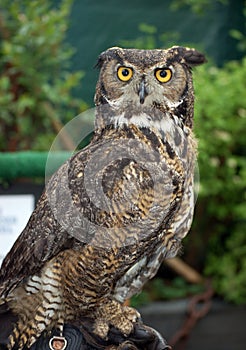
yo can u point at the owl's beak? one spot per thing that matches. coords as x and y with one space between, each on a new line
142 92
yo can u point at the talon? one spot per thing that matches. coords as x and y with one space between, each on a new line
131 313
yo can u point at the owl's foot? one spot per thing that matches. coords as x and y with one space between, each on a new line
112 313
142 337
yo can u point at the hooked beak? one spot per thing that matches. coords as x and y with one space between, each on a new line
142 92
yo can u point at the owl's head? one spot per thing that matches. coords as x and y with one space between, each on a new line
145 87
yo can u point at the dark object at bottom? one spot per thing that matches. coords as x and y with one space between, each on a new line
143 337
82 338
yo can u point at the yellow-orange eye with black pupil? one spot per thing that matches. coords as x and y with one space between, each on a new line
163 75
124 73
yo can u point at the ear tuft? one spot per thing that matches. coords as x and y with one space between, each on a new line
193 57
107 55
100 61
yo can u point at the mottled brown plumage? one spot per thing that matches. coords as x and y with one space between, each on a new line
117 208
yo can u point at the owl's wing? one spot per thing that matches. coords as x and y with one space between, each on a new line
52 227
42 238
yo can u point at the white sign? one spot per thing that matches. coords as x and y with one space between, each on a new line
15 211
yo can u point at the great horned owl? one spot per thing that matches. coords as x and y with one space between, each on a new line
111 214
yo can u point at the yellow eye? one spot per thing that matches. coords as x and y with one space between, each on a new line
163 75
124 73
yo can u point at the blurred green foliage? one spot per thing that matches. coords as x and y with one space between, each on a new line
220 125
35 80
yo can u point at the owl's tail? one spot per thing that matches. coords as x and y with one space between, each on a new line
7 321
